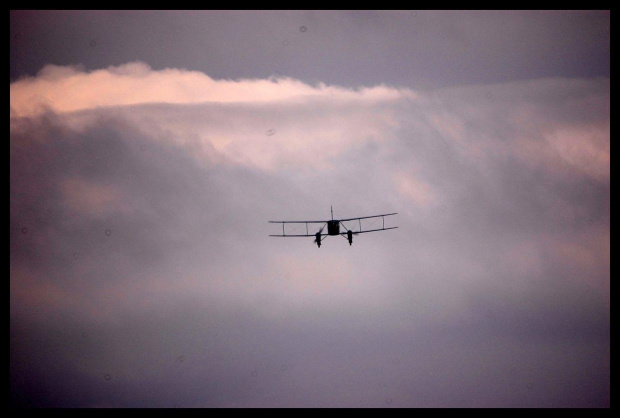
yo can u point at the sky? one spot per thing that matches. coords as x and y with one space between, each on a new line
149 150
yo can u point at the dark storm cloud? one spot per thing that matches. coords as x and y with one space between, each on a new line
412 48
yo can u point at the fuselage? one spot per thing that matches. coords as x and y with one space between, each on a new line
333 227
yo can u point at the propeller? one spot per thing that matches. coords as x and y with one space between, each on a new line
320 231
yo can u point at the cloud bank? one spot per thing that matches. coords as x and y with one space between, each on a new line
68 89
142 273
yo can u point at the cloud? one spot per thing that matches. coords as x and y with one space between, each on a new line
285 122
91 198
141 224
68 89
302 124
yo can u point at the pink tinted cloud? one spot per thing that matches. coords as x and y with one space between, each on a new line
317 124
415 189
68 89
98 200
555 124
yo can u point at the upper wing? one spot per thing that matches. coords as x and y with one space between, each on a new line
302 235
297 222
367 217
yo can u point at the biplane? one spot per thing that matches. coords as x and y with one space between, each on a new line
333 227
